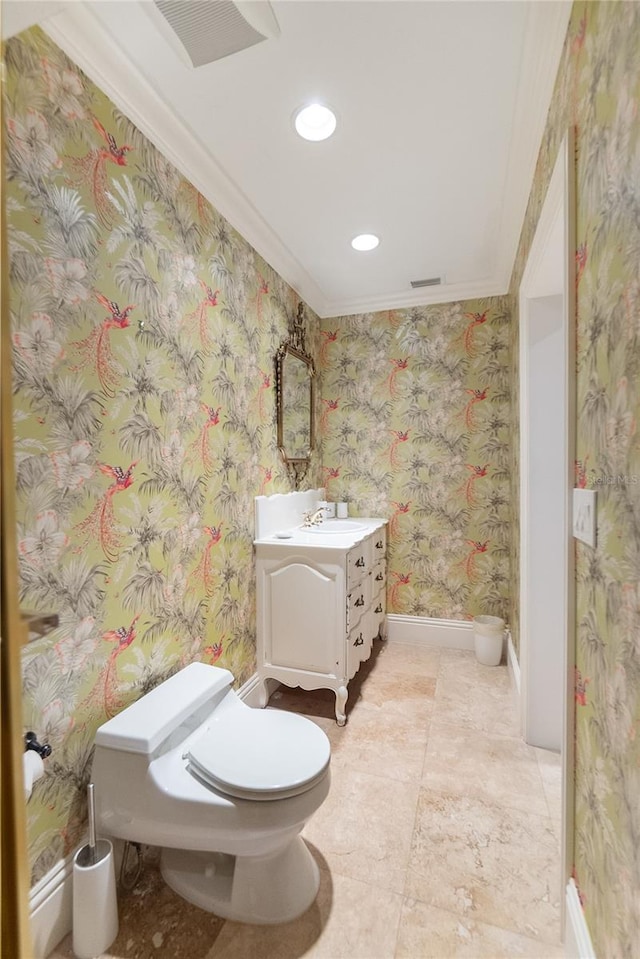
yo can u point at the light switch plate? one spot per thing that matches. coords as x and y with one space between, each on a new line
584 515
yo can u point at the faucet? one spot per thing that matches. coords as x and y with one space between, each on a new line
315 517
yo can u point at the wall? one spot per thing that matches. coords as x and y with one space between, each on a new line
415 413
145 330
598 91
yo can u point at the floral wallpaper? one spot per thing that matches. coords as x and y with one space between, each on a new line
598 92
144 330
415 425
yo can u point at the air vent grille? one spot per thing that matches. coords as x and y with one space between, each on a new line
208 29
432 281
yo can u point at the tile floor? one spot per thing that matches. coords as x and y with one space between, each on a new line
439 838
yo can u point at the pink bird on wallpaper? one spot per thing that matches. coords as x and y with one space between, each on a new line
580 470
399 509
477 319
331 473
329 337
265 386
203 572
401 579
477 396
100 524
267 476
123 637
330 406
398 366
581 688
477 472
401 436
200 316
200 446
214 652
90 170
469 562
95 349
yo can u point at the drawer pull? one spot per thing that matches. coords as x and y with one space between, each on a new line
359 602
359 641
380 544
360 562
379 577
378 608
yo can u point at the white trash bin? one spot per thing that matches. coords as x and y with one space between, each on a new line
488 636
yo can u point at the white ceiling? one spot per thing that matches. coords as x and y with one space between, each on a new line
440 105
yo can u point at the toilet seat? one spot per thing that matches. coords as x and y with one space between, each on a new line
260 754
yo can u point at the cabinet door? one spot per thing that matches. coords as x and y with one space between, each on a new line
305 618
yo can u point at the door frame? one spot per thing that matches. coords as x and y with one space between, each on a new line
560 200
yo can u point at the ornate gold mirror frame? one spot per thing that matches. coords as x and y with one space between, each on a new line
295 400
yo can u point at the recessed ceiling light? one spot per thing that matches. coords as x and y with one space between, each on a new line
365 241
315 122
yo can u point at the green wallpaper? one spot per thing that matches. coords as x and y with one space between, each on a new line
598 92
145 330
415 420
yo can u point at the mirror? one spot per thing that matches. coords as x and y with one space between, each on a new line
295 374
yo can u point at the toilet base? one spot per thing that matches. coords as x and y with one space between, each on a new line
254 889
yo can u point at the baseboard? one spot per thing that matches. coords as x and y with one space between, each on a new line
422 631
250 691
577 941
51 907
513 664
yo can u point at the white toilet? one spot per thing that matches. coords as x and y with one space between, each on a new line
224 789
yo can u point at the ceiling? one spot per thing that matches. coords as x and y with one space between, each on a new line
440 105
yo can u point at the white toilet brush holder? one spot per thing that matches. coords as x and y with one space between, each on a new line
95 904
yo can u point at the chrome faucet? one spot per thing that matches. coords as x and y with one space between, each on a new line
316 516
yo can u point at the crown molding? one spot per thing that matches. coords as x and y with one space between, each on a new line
447 293
545 34
90 45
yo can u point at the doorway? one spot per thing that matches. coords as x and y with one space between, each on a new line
547 443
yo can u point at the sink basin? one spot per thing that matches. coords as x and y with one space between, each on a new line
336 526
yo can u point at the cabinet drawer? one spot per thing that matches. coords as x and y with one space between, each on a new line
379 605
379 577
358 601
379 541
356 644
358 563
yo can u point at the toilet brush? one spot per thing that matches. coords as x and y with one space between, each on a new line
91 807
95 906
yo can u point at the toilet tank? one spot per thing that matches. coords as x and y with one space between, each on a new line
142 727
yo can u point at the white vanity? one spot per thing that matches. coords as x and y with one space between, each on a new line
321 594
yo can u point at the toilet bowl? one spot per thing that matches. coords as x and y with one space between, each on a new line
225 790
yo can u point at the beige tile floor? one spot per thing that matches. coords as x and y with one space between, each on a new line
439 838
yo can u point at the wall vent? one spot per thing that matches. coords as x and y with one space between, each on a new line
432 281
209 30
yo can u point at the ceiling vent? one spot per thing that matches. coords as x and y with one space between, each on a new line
209 30
432 281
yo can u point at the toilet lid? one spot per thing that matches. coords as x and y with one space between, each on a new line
261 754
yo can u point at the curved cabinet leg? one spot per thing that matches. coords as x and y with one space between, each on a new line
384 630
263 693
341 702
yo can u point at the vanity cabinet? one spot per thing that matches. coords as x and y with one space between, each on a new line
319 608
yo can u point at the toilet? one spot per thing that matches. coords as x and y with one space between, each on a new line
224 789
